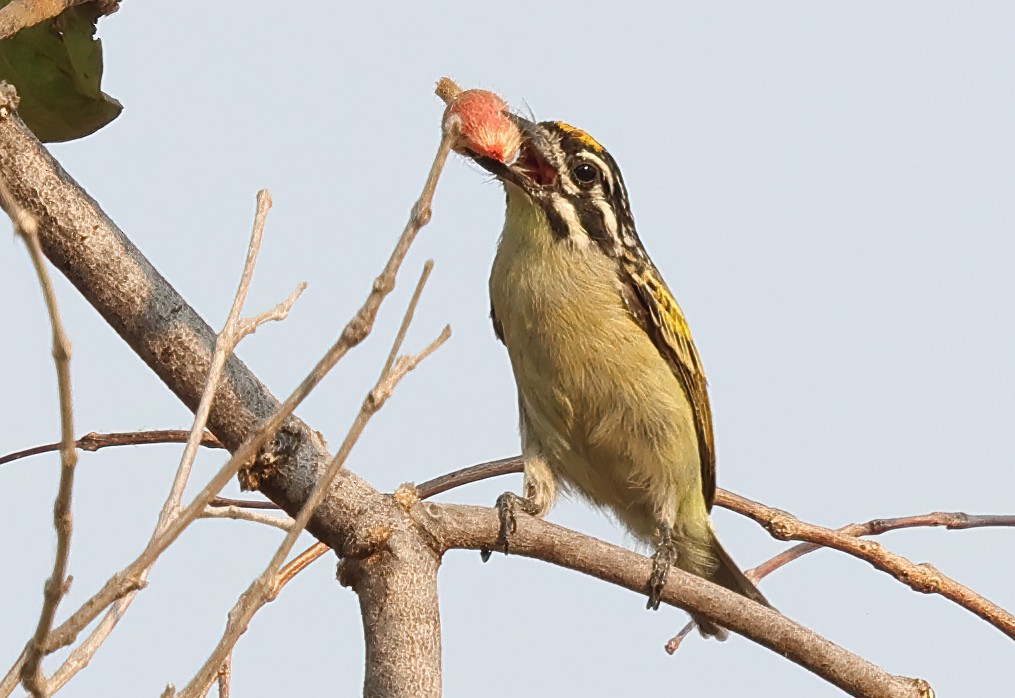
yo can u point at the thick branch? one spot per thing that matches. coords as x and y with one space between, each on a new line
260 590
476 528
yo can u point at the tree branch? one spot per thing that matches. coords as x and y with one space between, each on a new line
239 514
476 528
923 577
955 520
93 441
950 520
27 228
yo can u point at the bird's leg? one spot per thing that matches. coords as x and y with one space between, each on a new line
662 560
508 505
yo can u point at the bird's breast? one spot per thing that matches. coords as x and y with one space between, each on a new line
602 399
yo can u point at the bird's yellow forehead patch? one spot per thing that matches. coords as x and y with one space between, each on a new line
584 138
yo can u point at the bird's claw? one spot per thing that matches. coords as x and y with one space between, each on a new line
508 505
662 560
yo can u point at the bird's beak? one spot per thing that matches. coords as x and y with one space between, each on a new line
532 168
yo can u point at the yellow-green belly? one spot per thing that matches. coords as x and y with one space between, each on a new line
606 409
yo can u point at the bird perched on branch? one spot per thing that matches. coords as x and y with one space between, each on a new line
611 391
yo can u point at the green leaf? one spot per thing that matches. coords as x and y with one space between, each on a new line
56 67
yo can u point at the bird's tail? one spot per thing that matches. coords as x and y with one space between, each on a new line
726 574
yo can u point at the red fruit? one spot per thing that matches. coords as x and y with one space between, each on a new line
484 128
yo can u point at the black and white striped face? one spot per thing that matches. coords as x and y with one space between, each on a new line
576 182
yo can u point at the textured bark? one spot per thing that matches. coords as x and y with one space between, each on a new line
397 590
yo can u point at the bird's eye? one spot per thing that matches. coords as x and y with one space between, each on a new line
586 174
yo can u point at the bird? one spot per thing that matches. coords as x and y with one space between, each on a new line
612 398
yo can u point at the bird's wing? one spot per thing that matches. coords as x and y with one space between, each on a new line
654 308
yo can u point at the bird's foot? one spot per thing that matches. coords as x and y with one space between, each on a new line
508 505
662 560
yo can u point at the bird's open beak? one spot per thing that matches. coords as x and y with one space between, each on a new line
532 168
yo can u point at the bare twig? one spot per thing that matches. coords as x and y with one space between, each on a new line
922 577
242 503
507 466
955 520
951 520
248 325
294 567
232 332
94 441
241 514
224 676
473 473
410 311
81 655
114 588
27 228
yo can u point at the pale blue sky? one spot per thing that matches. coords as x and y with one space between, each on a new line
827 188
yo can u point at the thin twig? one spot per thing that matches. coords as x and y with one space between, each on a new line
81 655
27 228
410 311
232 332
465 476
243 503
294 567
225 342
955 520
920 577
224 676
93 441
248 325
240 514
951 520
